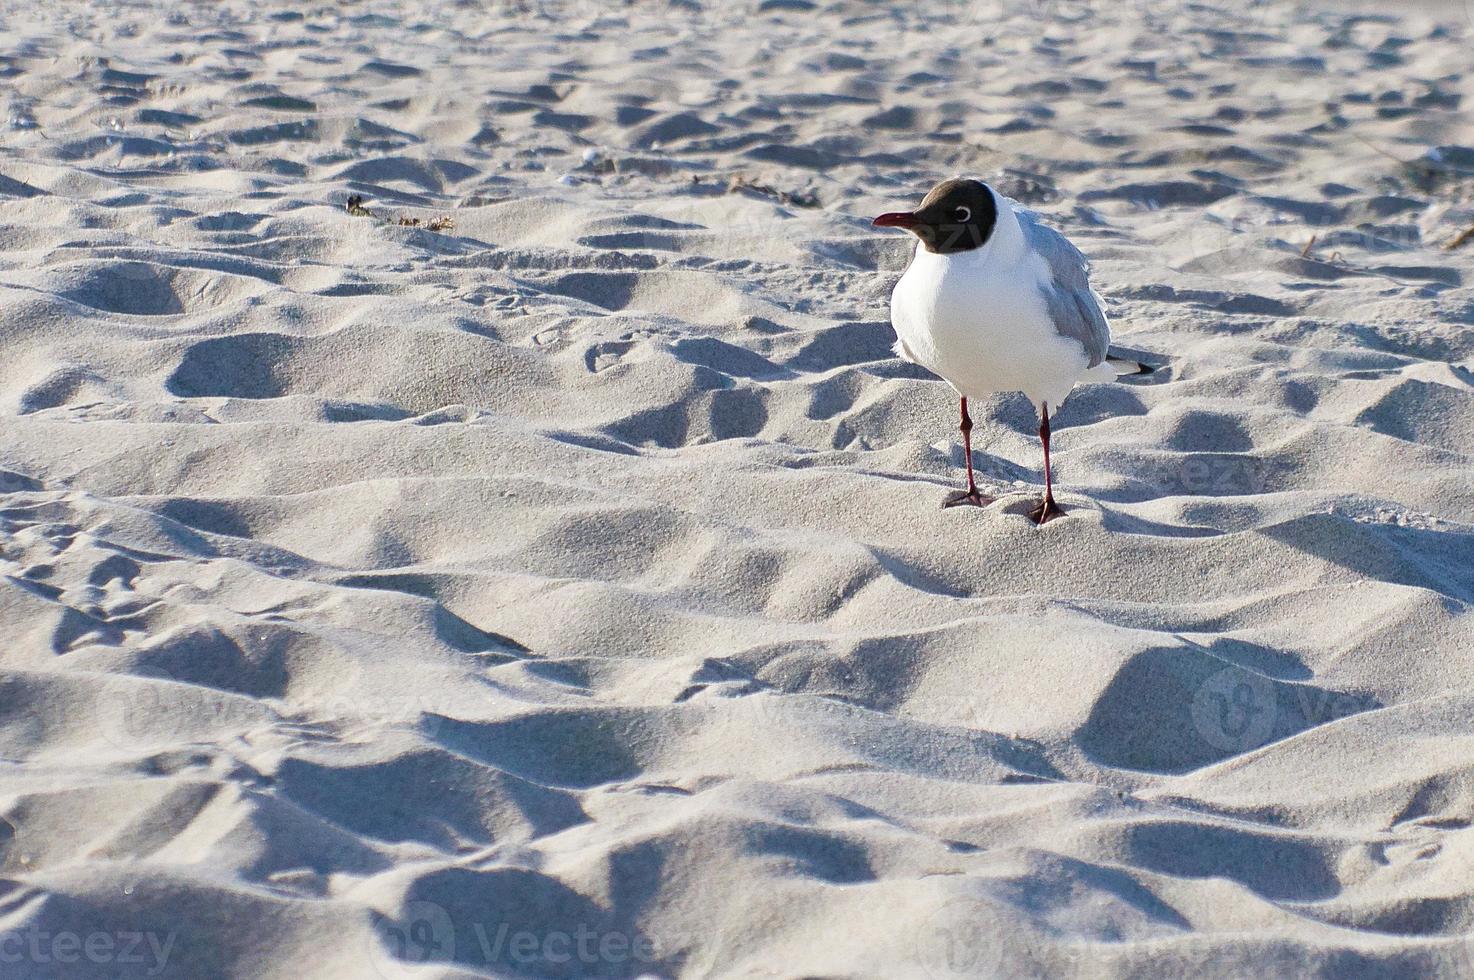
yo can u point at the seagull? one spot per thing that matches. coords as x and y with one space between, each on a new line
994 301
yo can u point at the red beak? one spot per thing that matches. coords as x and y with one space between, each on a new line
897 219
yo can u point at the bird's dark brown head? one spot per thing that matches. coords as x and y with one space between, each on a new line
957 216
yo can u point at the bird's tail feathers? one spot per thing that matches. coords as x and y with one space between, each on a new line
1128 363
1125 366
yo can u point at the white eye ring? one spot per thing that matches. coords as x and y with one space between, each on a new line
963 214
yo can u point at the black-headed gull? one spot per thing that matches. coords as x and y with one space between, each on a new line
994 301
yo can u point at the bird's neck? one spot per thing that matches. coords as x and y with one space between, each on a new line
1006 245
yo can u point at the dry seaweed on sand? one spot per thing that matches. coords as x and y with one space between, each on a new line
1460 239
799 199
439 223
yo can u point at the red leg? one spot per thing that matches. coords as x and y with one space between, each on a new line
1047 509
970 496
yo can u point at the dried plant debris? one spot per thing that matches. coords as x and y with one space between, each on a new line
439 223
1460 239
1439 170
443 222
799 199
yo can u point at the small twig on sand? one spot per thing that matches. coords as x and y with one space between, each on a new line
1305 252
1386 153
1460 239
1422 172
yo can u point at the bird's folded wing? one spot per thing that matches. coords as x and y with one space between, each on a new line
1072 304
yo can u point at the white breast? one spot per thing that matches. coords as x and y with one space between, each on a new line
981 323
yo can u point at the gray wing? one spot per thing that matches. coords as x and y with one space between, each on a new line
1072 305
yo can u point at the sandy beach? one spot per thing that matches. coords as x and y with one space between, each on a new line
461 515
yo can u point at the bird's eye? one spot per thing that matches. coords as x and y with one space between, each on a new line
963 214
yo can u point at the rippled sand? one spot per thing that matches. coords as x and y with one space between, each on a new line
565 592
